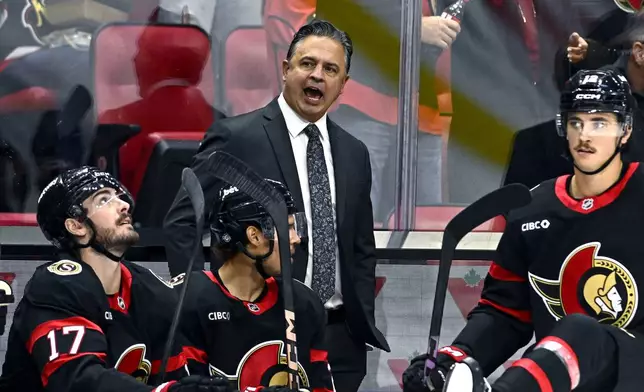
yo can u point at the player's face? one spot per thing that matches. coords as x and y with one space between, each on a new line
109 214
314 77
272 263
592 138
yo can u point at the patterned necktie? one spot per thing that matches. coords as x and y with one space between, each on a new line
324 244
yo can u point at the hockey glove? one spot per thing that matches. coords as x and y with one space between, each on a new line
414 376
201 384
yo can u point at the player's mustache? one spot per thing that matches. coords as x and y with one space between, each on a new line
585 147
123 218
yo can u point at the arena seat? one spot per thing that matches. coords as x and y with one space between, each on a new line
436 218
159 77
246 81
170 153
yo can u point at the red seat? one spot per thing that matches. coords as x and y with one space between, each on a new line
436 218
159 77
246 82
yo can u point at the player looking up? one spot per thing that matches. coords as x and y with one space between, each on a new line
92 322
234 316
567 267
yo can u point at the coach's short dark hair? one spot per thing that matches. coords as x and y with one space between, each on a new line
322 28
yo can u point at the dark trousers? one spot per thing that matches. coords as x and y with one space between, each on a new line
347 355
609 359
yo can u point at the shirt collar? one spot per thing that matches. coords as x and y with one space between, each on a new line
296 124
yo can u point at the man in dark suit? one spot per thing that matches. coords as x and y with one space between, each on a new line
328 171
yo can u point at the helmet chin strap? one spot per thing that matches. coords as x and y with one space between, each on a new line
96 246
259 260
618 149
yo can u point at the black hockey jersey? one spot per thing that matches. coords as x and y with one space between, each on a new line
67 335
243 341
560 256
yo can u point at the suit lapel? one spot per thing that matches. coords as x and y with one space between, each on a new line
278 135
339 157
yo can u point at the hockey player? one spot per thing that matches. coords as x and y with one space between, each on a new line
234 317
92 322
567 268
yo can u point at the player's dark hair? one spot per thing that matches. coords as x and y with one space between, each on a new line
322 28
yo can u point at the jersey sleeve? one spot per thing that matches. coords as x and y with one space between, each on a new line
320 370
501 323
193 337
69 352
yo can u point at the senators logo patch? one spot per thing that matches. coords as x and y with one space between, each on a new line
133 362
65 268
590 284
263 365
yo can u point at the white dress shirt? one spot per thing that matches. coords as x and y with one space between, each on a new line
299 140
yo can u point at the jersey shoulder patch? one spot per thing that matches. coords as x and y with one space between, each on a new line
67 285
65 268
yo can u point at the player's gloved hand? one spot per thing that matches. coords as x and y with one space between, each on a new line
414 376
201 384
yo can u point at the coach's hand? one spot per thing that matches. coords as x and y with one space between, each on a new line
414 376
201 384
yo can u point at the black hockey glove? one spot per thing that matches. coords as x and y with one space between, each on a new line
414 376
201 384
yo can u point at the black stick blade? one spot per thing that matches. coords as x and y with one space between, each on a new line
191 184
498 202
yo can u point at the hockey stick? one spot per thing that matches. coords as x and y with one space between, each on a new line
191 184
229 169
498 202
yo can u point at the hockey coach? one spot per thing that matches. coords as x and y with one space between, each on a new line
292 140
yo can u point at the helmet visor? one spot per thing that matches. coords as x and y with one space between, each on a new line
594 123
299 225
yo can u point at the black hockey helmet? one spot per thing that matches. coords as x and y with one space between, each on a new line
63 198
594 91
234 211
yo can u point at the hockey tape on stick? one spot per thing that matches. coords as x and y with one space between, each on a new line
229 169
498 202
191 184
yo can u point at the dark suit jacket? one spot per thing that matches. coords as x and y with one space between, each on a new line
261 139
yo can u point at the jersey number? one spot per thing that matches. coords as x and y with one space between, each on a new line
79 330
